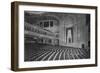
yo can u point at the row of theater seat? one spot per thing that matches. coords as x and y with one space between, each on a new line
40 52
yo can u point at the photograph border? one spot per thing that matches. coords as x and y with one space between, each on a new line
15 34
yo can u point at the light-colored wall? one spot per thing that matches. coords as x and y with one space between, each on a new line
5 37
80 31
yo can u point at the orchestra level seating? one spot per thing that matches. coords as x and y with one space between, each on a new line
43 52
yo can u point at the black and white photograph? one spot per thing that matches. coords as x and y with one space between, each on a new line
53 36
50 36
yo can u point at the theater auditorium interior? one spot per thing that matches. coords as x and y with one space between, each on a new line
50 36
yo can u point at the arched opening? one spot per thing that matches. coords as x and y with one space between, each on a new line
69 35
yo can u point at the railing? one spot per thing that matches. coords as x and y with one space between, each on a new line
38 30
